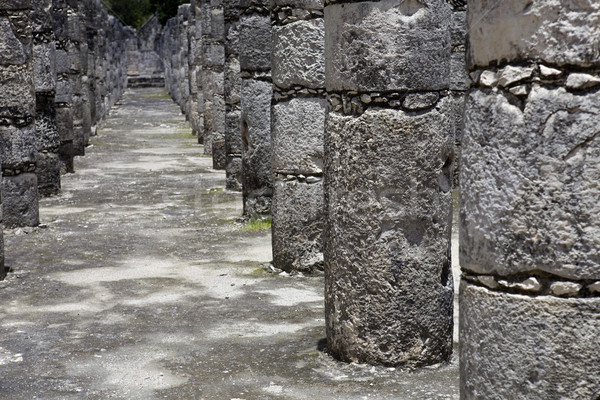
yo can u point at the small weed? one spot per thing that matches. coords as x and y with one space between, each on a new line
257 224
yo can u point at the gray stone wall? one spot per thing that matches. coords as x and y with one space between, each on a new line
18 141
388 177
232 93
529 226
255 118
298 124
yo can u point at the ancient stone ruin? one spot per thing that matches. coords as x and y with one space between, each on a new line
352 124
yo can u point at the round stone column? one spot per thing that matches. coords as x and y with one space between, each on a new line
18 147
388 182
298 124
529 196
255 118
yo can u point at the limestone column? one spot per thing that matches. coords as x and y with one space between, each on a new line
459 79
255 119
388 180
213 84
529 219
44 68
76 67
196 57
18 146
90 11
64 98
298 125
232 91
194 61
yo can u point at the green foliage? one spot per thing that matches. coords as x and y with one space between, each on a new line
257 224
136 12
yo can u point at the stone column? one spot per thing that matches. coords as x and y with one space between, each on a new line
17 116
63 99
388 182
529 194
298 125
76 68
213 83
256 94
91 35
232 92
44 67
459 79
196 55
194 65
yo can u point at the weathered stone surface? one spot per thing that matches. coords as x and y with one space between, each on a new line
297 225
515 346
255 42
20 200
299 55
233 171
555 32
298 127
17 98
388 202
256 145
48 173
17 146
388 44
532 184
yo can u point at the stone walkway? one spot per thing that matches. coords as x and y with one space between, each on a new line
139 284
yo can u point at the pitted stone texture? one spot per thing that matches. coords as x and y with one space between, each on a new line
47 136
44 67
388 282
552 31
256 142
233 135
17 146
255 43
529 197
20 200
234 173
391 44
534 348
297 225
48 174
13 51
298 127
303 4
17 97
298 54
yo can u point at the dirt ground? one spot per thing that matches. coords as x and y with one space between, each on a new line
140 284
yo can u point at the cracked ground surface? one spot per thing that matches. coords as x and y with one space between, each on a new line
139 284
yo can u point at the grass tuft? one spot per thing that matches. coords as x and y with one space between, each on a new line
257 224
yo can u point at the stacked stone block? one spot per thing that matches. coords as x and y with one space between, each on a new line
213 37
232 92
388 180
194 66
77 57
64 97
255 119
298 124
459 79
44 61
529 226
144 64
18 141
